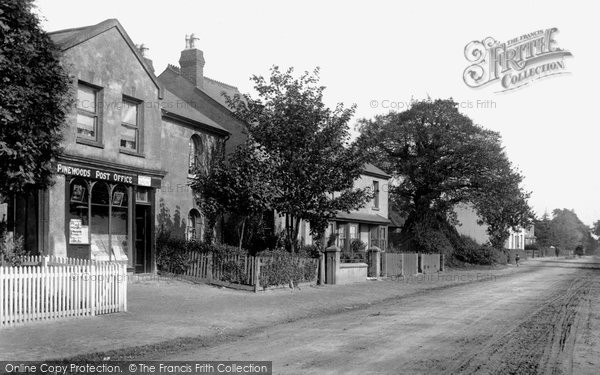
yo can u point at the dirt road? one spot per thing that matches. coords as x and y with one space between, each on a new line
543 319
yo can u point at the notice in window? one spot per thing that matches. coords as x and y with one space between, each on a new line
100 250
78 233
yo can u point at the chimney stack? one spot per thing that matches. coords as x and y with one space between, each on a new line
143 51
192 62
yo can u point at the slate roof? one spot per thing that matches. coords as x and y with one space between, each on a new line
372 170
216 89
172 80
177 108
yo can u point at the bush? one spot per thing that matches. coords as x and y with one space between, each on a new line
281 267
172 253
332 239
474 253
309 251
532 246
11 248
357 246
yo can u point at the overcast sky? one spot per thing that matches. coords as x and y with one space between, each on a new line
380 54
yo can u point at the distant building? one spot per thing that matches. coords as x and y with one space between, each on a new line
530 238
368 224
469 226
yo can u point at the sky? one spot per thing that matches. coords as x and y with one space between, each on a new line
381 54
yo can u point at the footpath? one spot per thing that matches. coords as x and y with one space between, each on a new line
169 314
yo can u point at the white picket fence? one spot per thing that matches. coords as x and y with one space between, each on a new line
49 288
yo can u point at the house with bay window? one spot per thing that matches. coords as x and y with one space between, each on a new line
369 224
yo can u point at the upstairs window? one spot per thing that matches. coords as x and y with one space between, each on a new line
196 148
376 195
87 112
130 125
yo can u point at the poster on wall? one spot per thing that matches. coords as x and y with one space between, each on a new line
118 198
78 233
77 193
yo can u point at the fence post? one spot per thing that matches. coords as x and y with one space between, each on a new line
209 267
375 261
256 273
332 263
2 302
124 286
321 268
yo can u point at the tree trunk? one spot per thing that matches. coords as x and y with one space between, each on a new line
242 232
296 231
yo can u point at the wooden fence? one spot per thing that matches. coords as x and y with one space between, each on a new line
396 264
391 264
49 288
234 271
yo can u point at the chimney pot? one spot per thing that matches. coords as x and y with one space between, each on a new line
192 62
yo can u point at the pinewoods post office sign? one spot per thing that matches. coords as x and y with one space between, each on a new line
107 175
515 63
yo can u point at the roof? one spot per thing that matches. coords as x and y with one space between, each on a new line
211 87
172 80
361 218
370 169
69 38
175 107
396 219
216 89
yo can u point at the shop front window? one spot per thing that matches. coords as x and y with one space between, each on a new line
99 216
99 221
119 223
78 219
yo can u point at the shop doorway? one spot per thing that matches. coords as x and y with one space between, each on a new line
143 227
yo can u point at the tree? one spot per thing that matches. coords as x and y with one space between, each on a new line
596 228
34 100
242 186
503 206
309 146
568 232
543 231
439 159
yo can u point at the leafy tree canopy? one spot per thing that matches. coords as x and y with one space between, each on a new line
440 158
34 99
567 231
242 185
308 144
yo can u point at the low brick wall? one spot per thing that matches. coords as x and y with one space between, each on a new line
351 273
